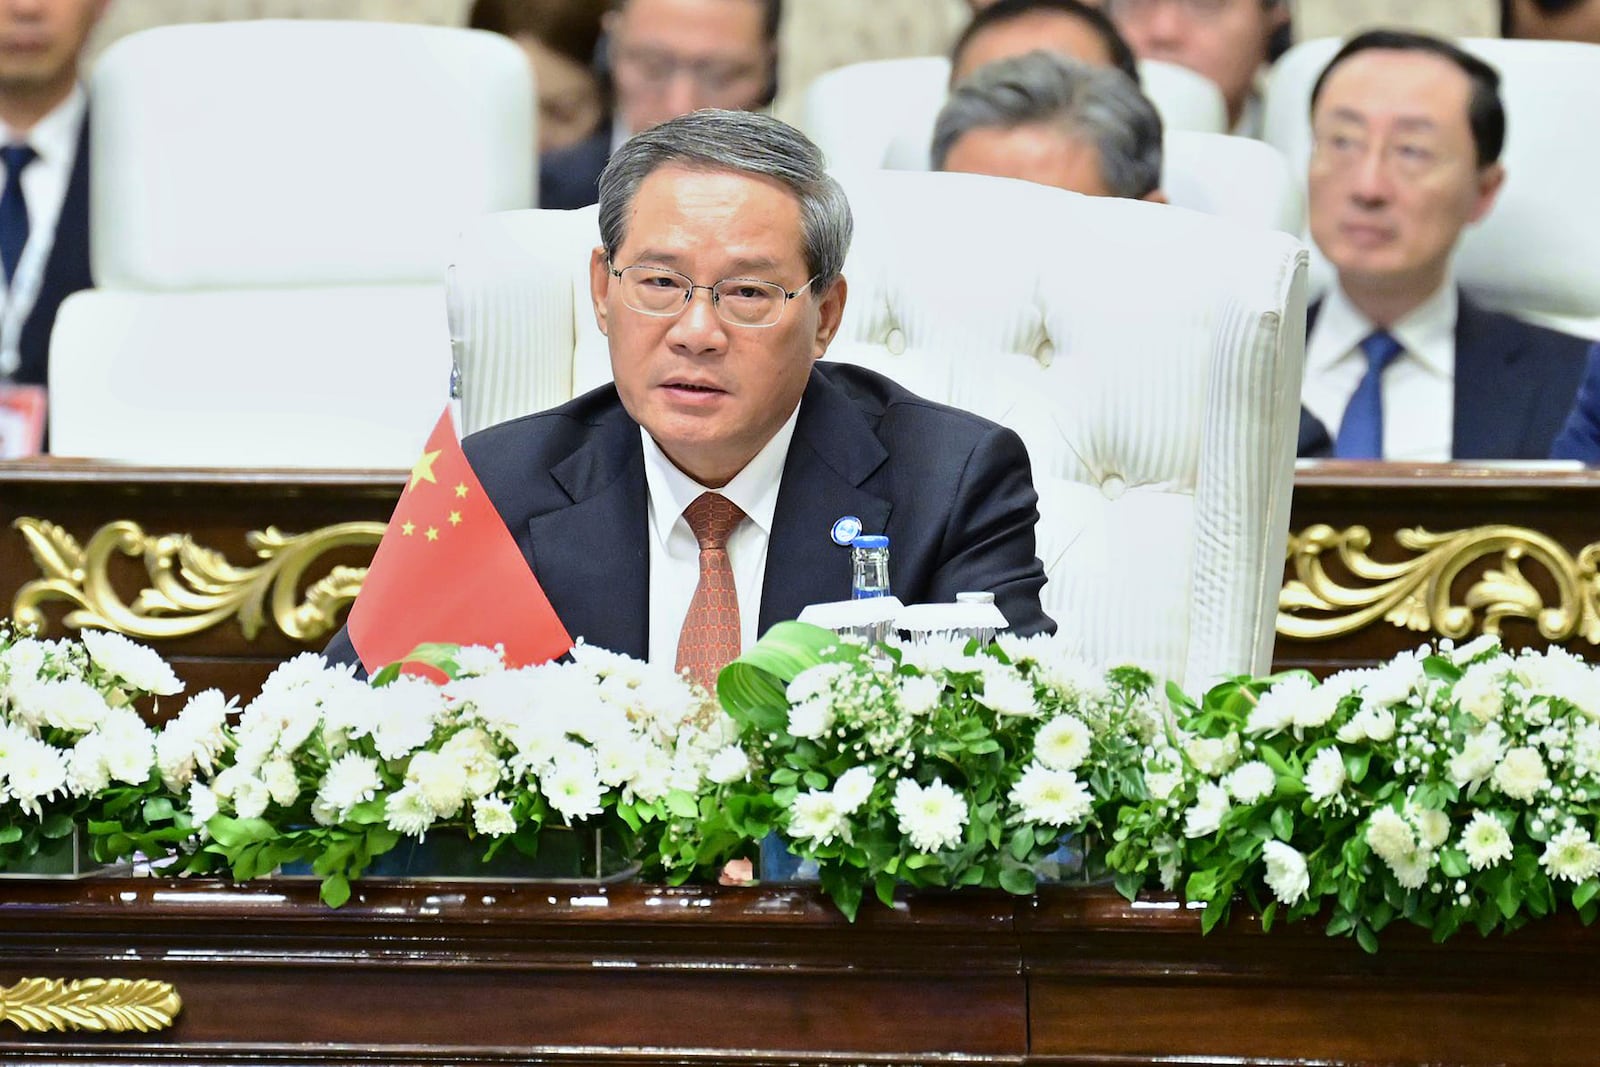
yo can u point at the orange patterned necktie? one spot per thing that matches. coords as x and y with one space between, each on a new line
710 638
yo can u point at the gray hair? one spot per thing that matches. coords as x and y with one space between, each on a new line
1099 104
746 143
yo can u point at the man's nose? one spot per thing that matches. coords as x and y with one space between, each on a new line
698 329
681 94
1166 24
1370 181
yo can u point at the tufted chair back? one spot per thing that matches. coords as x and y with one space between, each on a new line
272 208
856 113
1537 254
1149 357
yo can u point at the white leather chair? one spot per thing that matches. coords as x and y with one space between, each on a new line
856 113
1537 254
1150 358
273 205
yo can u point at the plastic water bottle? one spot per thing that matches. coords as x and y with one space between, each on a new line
869 566
984 634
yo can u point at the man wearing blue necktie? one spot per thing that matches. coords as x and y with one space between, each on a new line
44 202
1407 131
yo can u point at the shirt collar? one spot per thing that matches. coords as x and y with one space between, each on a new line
754 489
56 135
1427 332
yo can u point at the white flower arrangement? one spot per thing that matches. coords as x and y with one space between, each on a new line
1458 788
930 764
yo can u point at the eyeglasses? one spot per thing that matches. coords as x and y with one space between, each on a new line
1403 158
737 301
656 69
1200 9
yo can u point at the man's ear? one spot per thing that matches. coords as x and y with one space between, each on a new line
830 312
599 285
1491 180
1156 196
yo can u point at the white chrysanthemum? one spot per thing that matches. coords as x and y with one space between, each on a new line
1210 807
250 798
283 784
351 779
410 710
1558 673
1521 774
815 816
1481 690
571 785
33 771
492 817
1287 876
1389 835
474 749
443 782
407 812
1162 784
853 788
23 661
202 803
1316 707
1479 755
933 816
1485 841
1212 756
1051 797
69 704
1470 651
730 764
194 739
1432 826
87 771
1572 855
139 667
619 760
1062 744
1325 776
1586 750
1006 692
477 660
1252 782
919 695
1394 682
1411 869
810 719
932 655
1275 709
1371 723
815 681
129 746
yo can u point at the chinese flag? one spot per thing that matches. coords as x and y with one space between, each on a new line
448 570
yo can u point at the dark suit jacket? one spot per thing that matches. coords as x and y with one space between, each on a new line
65 272
570 177
1580 437
1514 384
953 491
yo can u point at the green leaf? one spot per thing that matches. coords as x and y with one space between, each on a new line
56 825
752 687
1367 938
1453 863
157 809
10 835
682 804
1283 823
1584 893
1022 842
815 780
335 890
884 885
236 833
1019 881
1357 763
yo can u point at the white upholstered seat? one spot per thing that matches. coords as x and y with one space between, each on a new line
856 113
1150 358
1537 254
273 205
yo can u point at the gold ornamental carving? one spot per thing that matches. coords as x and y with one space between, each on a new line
1419 593
192 588
110 1005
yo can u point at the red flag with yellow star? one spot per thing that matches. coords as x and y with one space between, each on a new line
448 571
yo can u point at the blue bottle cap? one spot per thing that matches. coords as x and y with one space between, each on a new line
870 541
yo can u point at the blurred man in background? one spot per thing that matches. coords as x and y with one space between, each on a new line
1044 118
44 205
1229 41
1553 20
560 37
668 58
1011 27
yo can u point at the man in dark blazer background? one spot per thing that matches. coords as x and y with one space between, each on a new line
1407 133
44 207
718 287
667 58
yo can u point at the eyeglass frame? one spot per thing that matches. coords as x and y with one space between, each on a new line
1198 9
716 299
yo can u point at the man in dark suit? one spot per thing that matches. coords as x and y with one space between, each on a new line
44 207
668 58
1407 131
711 490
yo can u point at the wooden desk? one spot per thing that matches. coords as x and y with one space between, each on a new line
498 973
228 572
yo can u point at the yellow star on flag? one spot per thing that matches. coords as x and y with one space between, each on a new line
408 528
422 470
433 533
461 490
455 518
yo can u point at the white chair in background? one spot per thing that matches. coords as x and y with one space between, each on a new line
273 205
1150 358
856 113
1537 253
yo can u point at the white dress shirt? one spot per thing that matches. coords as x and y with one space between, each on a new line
44 187
1419 388
675 554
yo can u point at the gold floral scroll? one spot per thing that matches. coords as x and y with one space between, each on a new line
110 1005
192 587
1419 593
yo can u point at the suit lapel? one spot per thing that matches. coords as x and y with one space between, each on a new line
66 269
1491 400
833 453
604 596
